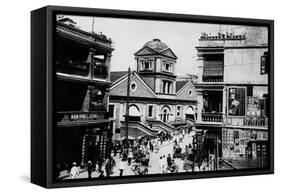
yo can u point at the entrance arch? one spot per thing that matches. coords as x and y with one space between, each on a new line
165 114
190 113
134 113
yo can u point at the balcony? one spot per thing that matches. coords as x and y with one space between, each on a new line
78 116
213 69
99 70
75 68
212 79
212 117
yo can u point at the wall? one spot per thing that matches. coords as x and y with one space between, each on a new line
243 66
141 90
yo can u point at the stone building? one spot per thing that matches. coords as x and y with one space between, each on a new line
232 89
83 130
157 101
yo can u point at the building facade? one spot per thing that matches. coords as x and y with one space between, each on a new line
83 130
232 89
157 102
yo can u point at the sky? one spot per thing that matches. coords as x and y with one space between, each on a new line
129 35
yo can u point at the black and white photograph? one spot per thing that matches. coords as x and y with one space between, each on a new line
136 97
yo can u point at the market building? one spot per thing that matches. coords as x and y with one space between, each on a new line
157 101
83 131
232 90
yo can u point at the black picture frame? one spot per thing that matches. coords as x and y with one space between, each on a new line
42 92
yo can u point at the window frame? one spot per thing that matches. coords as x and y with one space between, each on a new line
113 111
178 111
148 111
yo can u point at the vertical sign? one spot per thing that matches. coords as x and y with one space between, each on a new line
236 101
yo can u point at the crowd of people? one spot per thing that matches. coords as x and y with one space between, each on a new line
135 155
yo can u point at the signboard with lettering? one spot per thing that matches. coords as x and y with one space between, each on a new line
236 101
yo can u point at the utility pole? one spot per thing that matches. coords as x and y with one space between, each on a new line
127 108
93 24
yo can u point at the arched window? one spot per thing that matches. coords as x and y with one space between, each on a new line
165 114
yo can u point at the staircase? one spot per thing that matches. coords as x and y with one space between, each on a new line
159 125
135 126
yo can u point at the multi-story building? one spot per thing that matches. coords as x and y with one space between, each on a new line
232 89
157 102
83 130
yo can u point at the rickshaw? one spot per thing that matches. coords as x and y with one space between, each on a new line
139 169
173 168
177 152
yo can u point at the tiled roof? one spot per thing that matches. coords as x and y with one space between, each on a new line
115 75
156 44
180 84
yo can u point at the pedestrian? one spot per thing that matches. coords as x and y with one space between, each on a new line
115 150
130 157
74 171
169 160
181 137
160 164
164 163
122 166
89 169
147 158
174 167
108 167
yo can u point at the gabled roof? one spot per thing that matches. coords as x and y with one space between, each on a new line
122 79
180 85
115 75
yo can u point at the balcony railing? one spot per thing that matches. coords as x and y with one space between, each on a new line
99 71
212 78
211 117
78 116
76 68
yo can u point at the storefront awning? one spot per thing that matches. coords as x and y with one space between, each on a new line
213 68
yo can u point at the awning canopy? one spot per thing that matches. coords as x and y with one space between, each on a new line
213 68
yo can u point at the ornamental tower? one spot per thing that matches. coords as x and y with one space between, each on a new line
155 63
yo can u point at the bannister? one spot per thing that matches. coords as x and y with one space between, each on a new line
100 71
211 117
136 124
79 68
212 79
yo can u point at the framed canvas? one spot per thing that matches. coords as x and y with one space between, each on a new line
126 96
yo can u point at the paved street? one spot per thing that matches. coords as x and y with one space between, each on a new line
165 149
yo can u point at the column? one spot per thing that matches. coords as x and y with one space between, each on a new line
224 102
107 64
91 60
200 65
199 105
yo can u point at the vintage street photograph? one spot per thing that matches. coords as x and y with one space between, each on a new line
138 97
